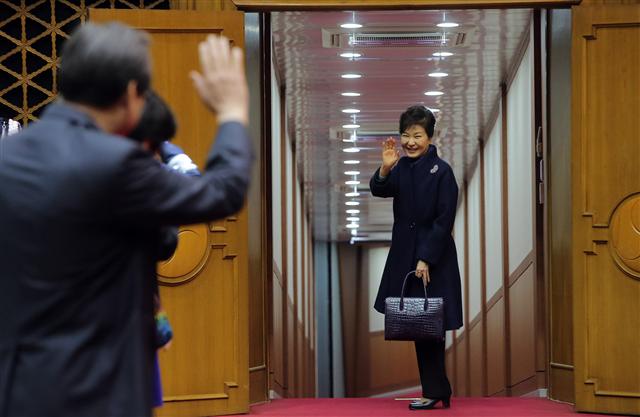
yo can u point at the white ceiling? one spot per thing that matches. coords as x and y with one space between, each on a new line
393 78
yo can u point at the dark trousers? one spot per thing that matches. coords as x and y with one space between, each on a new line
431 365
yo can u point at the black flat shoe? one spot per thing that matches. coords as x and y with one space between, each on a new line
430 405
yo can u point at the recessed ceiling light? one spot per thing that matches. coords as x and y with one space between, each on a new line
351 126
350 94
448 25
438 74
352 203
351 25
352 211
353 219
352 182
352 173
353 225
354 232
350 111
433 93
443 54
351 76
352 194
351 162
350 55
351 150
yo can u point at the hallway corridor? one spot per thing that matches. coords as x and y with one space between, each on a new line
388 407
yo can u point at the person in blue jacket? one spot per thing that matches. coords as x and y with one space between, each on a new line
425 197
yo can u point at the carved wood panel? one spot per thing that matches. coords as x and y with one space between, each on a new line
606 185
205 284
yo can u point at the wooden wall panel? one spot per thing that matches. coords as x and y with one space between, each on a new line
290 358
295 342
311 362
294 354
606 206
371 364
460 389
502 347
259 208
495 349
278 334
258 382
559 207
449 365
299 367
303 304
284 223
350 300
561 383
476 368
521 323
527 387
391 366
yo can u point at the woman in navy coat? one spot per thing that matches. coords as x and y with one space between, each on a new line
425 196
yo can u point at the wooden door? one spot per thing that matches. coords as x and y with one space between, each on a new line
606 206
204 285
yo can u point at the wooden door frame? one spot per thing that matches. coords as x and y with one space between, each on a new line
340 5
266 6
227 236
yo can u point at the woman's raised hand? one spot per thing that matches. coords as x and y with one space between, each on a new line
390 156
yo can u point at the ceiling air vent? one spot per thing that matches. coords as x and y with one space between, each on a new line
378 135
398 38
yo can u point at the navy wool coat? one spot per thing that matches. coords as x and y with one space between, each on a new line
425 196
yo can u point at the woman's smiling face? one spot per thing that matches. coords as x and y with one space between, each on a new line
415 141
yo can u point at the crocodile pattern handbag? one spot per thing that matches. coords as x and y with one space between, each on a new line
413 318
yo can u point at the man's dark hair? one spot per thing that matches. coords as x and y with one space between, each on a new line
157 122
99 61
418 115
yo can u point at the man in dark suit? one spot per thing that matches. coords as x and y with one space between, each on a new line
78 205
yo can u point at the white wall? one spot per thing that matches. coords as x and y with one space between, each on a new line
336 321
276 177
520 157
377 257
323 346
520 162
493 208
299 254
448 341
305 273
289 187
458 235
475 266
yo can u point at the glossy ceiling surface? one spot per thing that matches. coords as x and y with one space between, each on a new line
397 53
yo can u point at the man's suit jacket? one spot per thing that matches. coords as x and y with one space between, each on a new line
79 212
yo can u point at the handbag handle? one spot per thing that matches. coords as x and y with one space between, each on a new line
404 283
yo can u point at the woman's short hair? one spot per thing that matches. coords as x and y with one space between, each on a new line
99 61
157 122
418 115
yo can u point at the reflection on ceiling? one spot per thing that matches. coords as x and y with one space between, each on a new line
366 77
